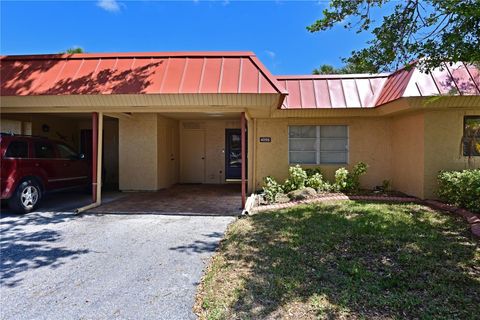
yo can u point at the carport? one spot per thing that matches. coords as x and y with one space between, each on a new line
164 102
77 131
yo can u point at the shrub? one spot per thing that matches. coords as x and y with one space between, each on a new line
341 179
349 181
271 188
312 171
353 183
296 179
314 181
460 188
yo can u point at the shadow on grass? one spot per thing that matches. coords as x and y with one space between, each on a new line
356 260
26 243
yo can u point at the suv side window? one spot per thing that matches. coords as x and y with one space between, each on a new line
66 153
17 149
44 150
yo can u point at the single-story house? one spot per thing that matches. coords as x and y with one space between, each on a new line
216 117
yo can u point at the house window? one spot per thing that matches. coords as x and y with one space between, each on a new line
318 144
471 136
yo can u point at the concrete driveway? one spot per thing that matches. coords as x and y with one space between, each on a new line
62 266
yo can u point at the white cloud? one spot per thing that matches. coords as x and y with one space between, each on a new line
109 5
273 61
271 54
323 3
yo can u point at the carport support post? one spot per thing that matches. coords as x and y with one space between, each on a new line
97 142
243 152
97 139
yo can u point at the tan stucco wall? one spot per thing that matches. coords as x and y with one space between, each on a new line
148 142
214 145
138 152
443 132
407 147
369 141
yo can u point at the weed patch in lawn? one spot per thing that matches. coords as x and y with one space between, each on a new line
344 260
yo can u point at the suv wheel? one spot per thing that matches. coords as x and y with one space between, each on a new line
26 196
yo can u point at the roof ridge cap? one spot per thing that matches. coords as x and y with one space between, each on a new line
97 55
333 76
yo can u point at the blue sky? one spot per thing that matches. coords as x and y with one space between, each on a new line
274 30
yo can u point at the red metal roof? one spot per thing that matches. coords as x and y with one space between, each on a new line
332 91
222 72
135 73
373 90
456 79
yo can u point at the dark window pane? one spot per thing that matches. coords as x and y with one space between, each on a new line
44 150
235 158
235 142
66 153
17 149
471 136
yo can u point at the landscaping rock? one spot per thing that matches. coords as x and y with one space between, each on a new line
302 194
282 198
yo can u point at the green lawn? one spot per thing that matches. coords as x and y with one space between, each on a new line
344 260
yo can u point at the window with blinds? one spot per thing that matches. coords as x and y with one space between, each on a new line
318 144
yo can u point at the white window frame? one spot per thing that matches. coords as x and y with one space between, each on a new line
318 139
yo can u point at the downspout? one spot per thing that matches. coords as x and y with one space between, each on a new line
97 147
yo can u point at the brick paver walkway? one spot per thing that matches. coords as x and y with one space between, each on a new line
180 199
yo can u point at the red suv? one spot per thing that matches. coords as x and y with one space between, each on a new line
32 166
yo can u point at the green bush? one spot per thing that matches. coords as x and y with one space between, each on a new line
353 183
296 179
349 181
460 188
316 182
341 179
312 171
270 189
